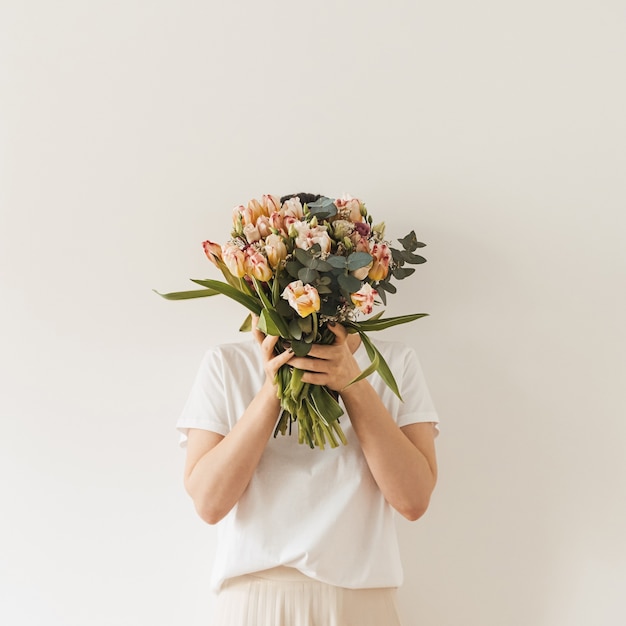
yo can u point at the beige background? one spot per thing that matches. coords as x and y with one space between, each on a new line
129 129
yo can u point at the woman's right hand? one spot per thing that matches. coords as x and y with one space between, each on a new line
272 362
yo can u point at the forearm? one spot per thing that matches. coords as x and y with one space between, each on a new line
401 471
221 475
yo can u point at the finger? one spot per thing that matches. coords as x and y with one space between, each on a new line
257 334
340 332
309 364
268 343
284 357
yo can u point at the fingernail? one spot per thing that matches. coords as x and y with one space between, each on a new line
331 323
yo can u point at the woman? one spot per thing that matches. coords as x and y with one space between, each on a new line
306 536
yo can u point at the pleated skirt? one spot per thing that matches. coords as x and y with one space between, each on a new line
283 596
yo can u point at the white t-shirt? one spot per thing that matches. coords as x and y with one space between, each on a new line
318 511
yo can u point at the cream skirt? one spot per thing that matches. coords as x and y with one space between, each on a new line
283 596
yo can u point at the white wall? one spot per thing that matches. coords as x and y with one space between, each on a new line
128 130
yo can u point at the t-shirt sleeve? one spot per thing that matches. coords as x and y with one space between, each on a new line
417 405
206 406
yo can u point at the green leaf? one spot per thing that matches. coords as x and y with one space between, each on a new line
357 260
261 293
246 327
402 272
321 266
306 258
322 202
300 348
323 208
409 242
382 368
186 295
327 408
336 261
382 323
409 257
293 267
349 283
386 286
294 329
305 323
250 302
268 325
307 275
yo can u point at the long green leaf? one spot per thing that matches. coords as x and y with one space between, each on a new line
373 324
378 364
186 295
369 370
383 369
251 303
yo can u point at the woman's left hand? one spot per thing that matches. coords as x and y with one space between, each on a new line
331 365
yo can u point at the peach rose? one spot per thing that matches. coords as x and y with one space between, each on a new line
302 298
363 299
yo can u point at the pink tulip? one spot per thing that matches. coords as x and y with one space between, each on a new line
349 208
302 298
234 257
213 251
363 299
275 249
271 204
257 265
380 266
263 226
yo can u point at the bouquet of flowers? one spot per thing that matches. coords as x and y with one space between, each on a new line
298 263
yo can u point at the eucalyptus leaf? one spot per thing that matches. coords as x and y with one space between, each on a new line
409 257
293 267
304 257
321 266
402 272
386 286
349 283
409 242
357 260
321 203
307 275
336 261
